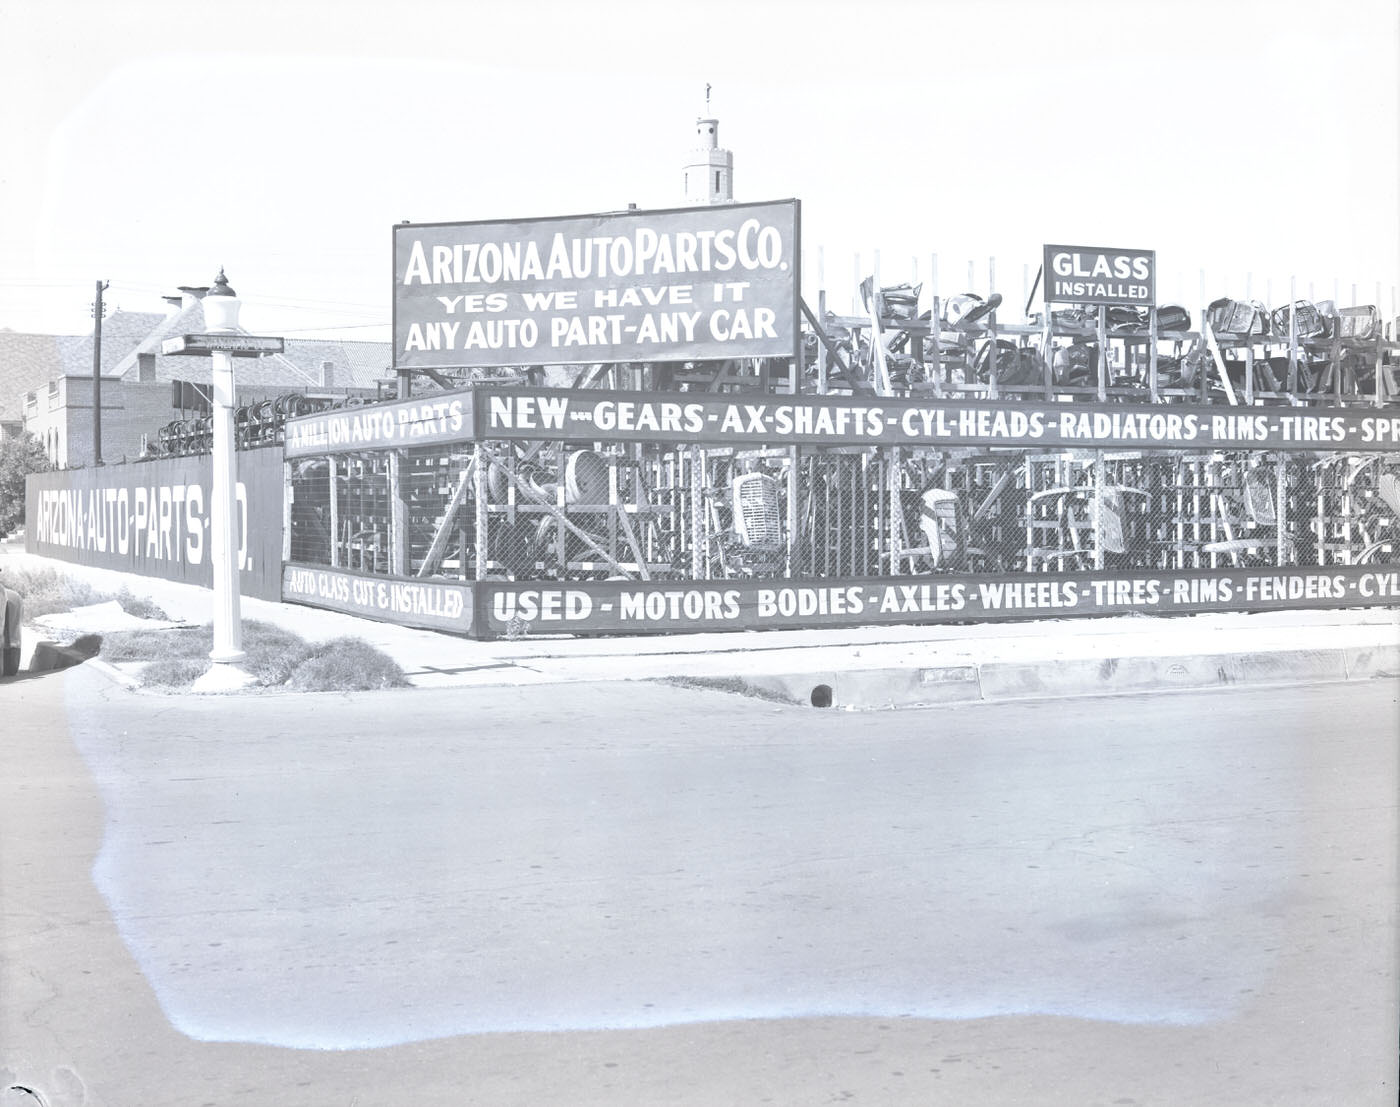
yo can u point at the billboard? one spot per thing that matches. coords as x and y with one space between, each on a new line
634 607
590 415
152 518
433 604
431 420
1100 275
593 415
675 285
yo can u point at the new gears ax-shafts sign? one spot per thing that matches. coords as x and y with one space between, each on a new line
676 285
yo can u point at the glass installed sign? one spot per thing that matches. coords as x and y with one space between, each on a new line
1097 275
676 285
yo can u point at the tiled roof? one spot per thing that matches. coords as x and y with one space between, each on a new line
356 364
29 361
297 369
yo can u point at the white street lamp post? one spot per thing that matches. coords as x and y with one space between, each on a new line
221 305
223 342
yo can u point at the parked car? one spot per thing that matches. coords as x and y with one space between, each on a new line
10 631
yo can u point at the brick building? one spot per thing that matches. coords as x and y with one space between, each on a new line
46 384
31 363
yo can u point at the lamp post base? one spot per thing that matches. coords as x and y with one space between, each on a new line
223 677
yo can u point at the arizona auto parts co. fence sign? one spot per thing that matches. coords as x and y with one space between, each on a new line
681 284
152 518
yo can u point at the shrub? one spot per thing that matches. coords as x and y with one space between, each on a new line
140 606
152 645
271 652
276 658
346 665
173 673
20 455
47 591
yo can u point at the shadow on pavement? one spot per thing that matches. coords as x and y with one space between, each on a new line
51 657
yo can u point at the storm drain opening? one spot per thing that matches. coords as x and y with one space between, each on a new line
821 695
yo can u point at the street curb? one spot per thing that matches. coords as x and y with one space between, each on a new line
112 673
1057 679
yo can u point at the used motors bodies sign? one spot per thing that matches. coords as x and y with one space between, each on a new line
676 285
1096 275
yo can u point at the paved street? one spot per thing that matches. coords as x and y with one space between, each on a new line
645 894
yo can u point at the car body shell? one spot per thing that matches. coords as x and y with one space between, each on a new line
10 633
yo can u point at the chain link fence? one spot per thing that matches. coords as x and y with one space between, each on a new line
546 511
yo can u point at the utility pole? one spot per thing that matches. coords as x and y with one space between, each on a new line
98 311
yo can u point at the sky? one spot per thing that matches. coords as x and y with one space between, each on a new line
1255 146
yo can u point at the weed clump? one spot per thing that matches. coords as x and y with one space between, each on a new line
140 607
173 674
276 658
48 592
346 665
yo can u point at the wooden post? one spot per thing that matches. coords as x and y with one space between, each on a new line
331 476
1152 354
934 326
287 512
794 491
398 516
896 512
822 354
1098 499
561 503
878 368
1102 337
480 488
992 332
699 561
1206 338
1249 348
1292 338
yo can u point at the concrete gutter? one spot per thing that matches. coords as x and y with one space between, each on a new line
865 689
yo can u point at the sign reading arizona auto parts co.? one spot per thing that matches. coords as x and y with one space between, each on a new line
681 284
1096 275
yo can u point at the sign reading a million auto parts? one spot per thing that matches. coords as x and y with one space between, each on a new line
675 285
1098 275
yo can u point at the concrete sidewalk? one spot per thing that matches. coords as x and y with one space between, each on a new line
861 667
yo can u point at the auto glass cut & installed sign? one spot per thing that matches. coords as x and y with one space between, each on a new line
437 605
682 284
